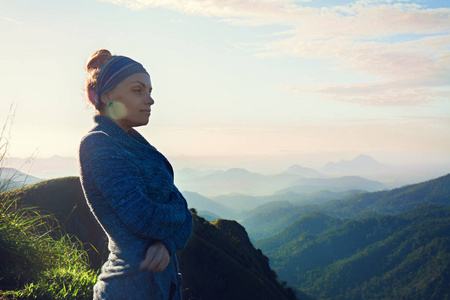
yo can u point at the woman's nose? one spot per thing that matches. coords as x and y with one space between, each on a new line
150 100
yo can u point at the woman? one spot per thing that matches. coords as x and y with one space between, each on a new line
129 186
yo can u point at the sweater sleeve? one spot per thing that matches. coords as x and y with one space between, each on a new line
121 184
179 238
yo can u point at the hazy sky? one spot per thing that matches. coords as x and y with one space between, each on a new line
237 77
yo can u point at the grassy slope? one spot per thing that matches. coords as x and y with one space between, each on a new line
63 198
38 260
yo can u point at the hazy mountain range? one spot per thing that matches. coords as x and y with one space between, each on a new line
360 165
47 168
273 217
11 179
239 206
296 179
189 169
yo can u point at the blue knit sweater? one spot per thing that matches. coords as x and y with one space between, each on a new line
130 189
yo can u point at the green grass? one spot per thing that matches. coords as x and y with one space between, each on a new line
38 260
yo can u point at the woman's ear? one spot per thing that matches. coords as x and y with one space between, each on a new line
106 98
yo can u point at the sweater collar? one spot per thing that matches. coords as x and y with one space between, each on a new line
130 138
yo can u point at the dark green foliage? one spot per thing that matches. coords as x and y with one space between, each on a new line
387 257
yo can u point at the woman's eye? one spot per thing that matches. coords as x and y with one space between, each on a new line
138 91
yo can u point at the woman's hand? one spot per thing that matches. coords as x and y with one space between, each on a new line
156 259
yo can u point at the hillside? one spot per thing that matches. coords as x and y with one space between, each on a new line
305 172
206 205
340 184
64 198
273 217
404 256
219 261
11 178
240 207
435 191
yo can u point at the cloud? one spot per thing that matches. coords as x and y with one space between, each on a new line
398 96
10 20
411 73
404 44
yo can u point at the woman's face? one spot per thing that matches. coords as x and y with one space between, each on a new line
128 104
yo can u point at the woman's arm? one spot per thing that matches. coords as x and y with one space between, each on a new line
122 186
179 238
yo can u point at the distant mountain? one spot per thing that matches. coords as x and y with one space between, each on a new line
209 216
404 256
235 180
275 216
324 196
244 205
241 181
223 182
201 203
233 206
52 167
188 174
305 172
361 165
239 201
11 178
340 184
435 191
219 261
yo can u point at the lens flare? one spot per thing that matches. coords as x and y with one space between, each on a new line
116 110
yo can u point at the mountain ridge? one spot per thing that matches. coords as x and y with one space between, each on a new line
360 165
382 257
279 216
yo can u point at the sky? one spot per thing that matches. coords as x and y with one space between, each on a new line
237 77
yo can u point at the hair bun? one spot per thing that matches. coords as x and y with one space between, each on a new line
98 60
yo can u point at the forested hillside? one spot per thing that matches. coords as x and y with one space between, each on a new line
273 217
436 191
389 245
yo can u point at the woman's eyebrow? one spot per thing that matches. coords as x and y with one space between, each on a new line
140 82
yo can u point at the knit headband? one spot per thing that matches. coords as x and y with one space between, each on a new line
115 71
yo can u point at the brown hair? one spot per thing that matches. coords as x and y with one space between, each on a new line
93 67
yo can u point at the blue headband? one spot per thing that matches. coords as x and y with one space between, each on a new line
115 71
